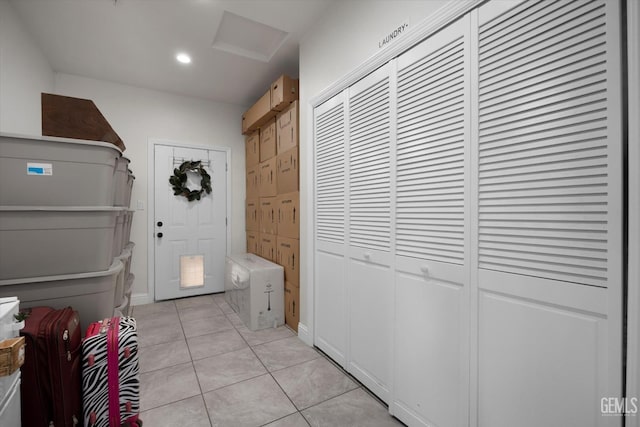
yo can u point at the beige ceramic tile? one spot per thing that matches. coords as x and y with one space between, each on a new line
167 385
284 353
293 420
264 335
251 403
206 325
229 368
312 382
353 409
159 356
214 344
191 412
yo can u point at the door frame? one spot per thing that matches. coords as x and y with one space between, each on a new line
151 202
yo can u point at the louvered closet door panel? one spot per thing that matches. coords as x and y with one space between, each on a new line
432 290
432 121
370 279
330 172
369 162
330 216
543 144
549 212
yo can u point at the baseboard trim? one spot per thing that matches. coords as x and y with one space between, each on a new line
304 335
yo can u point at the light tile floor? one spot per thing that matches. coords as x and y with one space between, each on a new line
201 367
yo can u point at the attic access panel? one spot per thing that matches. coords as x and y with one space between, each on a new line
244 37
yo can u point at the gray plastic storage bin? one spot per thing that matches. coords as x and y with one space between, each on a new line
39 171
44 241
119 239
89 293
122 183
123 309
127 224
121 286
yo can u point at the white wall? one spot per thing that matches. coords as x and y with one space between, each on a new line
346 36
138 115
24 74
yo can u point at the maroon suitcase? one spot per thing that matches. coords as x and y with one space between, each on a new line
51 393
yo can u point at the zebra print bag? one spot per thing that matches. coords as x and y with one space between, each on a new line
110 373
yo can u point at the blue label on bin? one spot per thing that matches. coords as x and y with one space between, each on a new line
40 169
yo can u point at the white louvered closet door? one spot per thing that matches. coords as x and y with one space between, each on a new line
549 213
432 235
331 195
370 278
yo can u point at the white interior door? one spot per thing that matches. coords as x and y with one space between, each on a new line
190 237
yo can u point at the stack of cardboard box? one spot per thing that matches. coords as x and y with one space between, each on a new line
273 201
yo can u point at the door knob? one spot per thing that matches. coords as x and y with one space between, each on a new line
159 234
159 223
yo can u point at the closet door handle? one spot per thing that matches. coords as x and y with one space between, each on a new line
159 235
367 256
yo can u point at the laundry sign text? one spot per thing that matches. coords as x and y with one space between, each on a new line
392 35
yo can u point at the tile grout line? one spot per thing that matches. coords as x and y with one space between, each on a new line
237 328
270 373
193 366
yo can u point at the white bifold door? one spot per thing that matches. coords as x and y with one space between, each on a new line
549 213
468 220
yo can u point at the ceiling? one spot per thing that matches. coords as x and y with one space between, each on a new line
238 47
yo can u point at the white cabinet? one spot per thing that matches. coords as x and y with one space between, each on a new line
468 210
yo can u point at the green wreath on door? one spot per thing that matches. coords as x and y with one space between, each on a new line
178 180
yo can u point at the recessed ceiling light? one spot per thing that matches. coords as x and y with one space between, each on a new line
183 58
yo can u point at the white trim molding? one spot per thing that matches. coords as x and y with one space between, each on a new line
304 335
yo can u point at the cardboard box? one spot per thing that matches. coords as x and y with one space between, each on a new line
252 214
287 171
268 140
258 114
268 180
268 215
291 305
253 182
11 355
253 242
288 256
287 128
289 215
268 246
252 149
283 92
